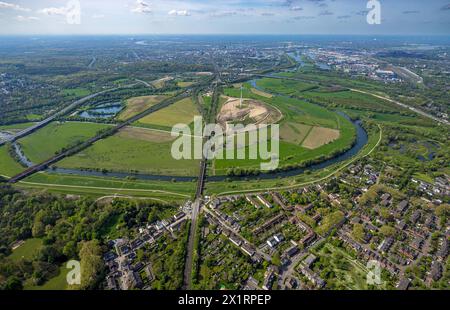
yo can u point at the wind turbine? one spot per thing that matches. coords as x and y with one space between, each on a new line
240 103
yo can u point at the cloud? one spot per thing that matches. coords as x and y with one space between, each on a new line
179 13
21 18
54 11
6 5
98 16
141 7
223 13
296 8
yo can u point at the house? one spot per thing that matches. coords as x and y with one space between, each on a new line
248 249
279 200
269 278
111 283
403 285
401 225
417 243
264 201
313 277
415 217
386 199
179 216
252 202
436 271
443 250
311 259
308 239
235 240
402 206
292 251
386 244
272 242
279 237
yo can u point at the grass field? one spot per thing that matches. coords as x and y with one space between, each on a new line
261 93
301 120
76 92
8 166
27 250
133 150
287 87
185 84
350 273
45 142
182 112
352 100
311 177
137 105
104 186
16 127
58 283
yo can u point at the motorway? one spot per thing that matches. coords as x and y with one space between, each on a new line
44 165
51 118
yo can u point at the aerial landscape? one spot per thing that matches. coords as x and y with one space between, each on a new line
103 162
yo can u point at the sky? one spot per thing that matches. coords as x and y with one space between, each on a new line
48 17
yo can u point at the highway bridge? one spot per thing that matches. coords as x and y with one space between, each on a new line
74 150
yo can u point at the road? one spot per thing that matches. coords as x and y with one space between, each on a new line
187 282
266 256
51 118
418 111
439 120
72 151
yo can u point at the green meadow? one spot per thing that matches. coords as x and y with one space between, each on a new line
44 143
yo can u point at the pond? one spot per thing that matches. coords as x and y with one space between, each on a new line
107 110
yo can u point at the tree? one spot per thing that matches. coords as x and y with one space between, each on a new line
387 231
358 231
13 284
91 264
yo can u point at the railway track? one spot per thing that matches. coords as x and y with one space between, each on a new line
76 149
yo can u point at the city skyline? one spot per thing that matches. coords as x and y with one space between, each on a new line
223 17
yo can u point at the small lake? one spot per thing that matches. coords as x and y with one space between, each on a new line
105 111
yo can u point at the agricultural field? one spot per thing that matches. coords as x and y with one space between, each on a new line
184 84
137 105
38 147
319 136
181 112
133 150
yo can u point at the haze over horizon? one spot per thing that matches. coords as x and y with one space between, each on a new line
331 17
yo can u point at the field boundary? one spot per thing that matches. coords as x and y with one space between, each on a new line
105 188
